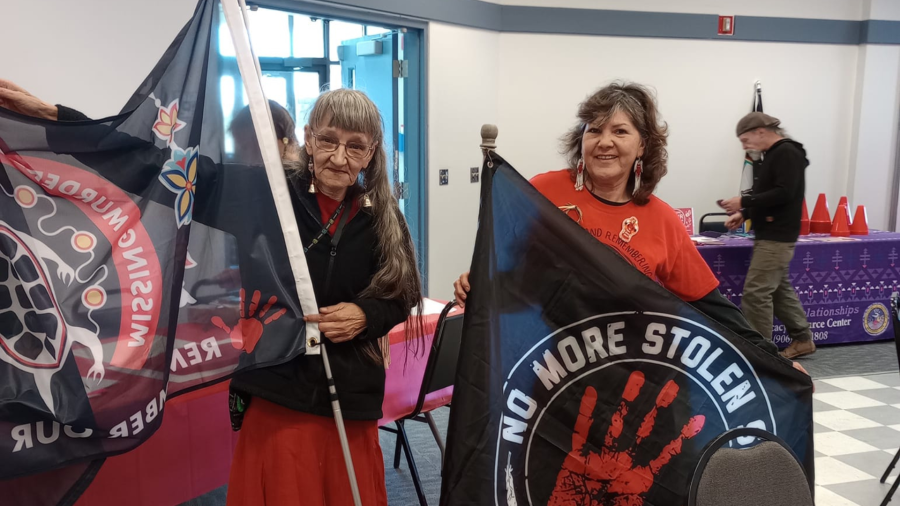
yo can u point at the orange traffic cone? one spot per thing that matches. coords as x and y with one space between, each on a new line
820 223
844 202
841 225
860 224
804 220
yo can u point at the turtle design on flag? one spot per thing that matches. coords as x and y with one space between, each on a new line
34 335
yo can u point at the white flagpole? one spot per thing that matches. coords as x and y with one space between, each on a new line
265 133
248 64
342 433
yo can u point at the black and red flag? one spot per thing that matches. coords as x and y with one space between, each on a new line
141 256
583 382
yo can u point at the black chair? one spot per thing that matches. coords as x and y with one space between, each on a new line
895 316
440 373
713 222
770 473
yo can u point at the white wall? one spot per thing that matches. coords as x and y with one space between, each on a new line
87 54
874 136
462 95
704 88
876 110
882 9
818 9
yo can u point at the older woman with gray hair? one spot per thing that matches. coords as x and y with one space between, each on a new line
363 267
617 155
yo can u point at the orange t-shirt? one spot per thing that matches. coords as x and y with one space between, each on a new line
651 236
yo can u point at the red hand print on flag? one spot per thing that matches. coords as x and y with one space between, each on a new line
249 328
611 477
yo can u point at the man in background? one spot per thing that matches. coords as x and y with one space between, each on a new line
774 207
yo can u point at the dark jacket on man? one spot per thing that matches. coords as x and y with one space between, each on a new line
776 201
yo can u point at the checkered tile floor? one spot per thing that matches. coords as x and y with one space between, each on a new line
857 433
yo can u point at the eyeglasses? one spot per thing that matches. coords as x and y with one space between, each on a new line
353 149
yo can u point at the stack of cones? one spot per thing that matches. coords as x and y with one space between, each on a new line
860 224
820 223
840 227
804 220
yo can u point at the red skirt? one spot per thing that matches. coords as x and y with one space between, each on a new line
288 458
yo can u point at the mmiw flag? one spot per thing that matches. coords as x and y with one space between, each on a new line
583 382
138 260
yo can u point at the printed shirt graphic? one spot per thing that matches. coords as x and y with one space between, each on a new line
583 382
661 248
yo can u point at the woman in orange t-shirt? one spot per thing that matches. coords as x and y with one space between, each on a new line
618 151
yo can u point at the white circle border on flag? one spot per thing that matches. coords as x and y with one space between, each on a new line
541 342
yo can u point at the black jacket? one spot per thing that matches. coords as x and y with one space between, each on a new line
338 275
68 114
779 183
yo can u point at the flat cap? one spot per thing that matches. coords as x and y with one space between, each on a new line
756 120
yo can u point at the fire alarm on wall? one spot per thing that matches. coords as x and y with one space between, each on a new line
726 25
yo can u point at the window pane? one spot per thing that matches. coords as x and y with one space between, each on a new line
226 45
270 33
275 88
226 88
336 77
400 170
309 38
374 30
340 31
306 91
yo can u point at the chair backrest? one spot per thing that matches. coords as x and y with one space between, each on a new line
686 215
895 321
440 370
713 222
768 473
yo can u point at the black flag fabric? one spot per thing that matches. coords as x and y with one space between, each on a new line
757 102
749 160
141 257
583 382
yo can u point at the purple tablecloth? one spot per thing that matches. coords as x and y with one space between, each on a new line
845 287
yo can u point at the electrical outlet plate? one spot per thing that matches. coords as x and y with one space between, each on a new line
444 176
473 174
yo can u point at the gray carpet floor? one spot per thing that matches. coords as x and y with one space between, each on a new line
401 491
851 360
827 362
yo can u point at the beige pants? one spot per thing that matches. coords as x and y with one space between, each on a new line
768 291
